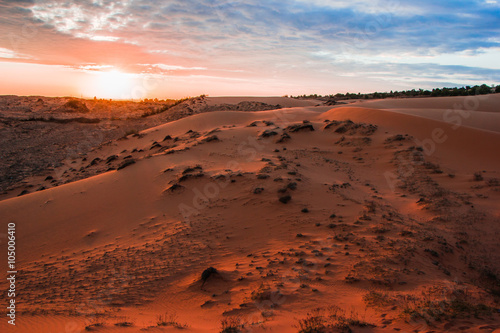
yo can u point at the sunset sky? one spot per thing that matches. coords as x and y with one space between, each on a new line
177 48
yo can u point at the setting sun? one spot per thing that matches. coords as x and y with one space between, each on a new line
111 84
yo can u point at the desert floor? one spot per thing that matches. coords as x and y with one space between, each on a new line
372 216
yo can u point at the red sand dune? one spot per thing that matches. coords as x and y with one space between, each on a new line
374 225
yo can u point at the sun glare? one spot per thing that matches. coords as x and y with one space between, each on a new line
111 84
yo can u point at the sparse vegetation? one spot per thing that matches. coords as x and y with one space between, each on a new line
212 138
377 299
263 293
493 182
76 106
285 199
231 325
258 190
192 169
380 229
82 120
436 305
300 127
478 176
315 322
126 163
168 106
95 324
321 321
268 133
169 320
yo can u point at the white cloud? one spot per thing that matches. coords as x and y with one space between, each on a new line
369 6
104 38
10 54
94 67
172 67
83 21
483 58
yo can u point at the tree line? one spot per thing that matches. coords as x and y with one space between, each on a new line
436 92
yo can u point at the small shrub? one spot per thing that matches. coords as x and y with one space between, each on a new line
94 325
432 252
263 293
258 190
166 107
313 323
493 182
380 229
343 320
231 325
174 187
125 324
268 133
433 308
370 206
212 138
192 169
300 127
76 106
397 137
336 319
126 163
169 320
377 300
285 199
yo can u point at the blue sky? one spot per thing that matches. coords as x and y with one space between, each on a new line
245 47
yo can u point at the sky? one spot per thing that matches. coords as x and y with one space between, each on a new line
177 48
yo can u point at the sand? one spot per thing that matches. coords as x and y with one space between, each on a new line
358 207
482 112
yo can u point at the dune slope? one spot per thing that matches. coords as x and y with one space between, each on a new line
296 210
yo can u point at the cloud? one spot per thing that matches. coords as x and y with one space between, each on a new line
10 54
94 67
246 39
99 38
175 68
367 25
